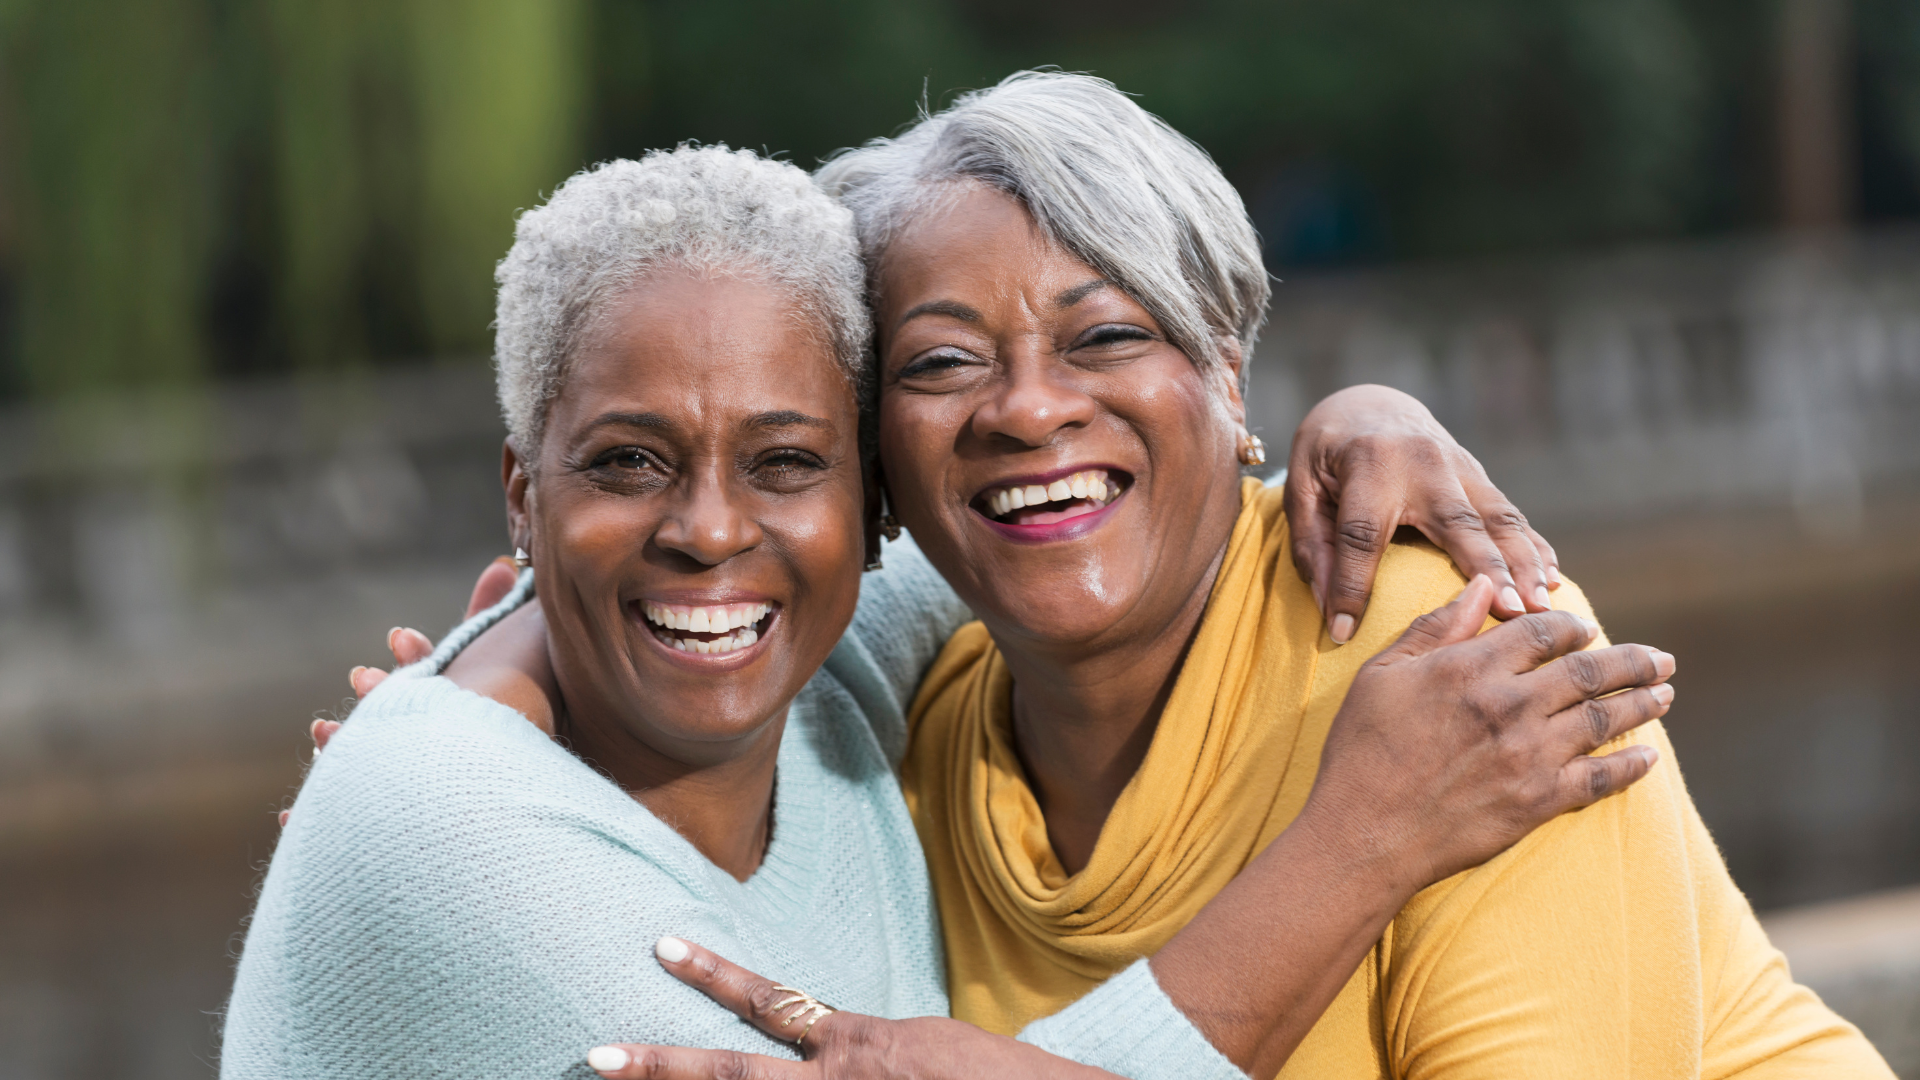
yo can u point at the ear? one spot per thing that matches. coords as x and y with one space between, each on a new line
1232 362
520 497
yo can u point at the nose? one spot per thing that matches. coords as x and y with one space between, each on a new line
708 522
1034 400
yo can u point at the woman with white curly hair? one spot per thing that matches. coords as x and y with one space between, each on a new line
683 360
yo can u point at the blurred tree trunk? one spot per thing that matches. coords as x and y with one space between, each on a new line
1817 139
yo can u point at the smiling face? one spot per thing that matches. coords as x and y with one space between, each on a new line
1069 471
695 516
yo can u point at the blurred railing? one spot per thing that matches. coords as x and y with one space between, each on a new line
1675 379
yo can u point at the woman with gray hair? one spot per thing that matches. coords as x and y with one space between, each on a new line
682 350
1066 295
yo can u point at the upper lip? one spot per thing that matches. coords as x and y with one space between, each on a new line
693 598
1050 476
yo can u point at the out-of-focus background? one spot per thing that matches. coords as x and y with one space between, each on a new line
1656 261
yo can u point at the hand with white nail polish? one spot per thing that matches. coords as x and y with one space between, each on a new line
838 1045
1369 460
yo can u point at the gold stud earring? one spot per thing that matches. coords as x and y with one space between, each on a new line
521 559
1253 451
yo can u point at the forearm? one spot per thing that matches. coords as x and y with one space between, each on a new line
1264 959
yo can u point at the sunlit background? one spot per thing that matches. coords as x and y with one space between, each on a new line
1656 261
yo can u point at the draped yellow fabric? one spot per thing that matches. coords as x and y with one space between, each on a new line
1609 943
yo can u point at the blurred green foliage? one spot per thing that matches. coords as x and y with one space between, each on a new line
196 187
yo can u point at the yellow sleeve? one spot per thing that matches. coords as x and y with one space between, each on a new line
1609 943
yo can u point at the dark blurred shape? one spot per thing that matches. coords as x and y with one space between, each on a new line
1817 163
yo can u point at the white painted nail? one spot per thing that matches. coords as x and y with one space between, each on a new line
607 1059
671 949
1510 599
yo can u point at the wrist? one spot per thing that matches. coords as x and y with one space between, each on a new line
1378 868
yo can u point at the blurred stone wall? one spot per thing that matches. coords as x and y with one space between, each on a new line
1723 441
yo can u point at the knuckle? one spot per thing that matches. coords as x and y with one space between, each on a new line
1539 630
1363 535
732 1065
1584 672
1459 517
1599 722
761 998
1599 781
1504 517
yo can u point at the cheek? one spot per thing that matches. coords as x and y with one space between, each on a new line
916 435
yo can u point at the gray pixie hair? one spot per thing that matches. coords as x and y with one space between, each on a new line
706 209
1112 183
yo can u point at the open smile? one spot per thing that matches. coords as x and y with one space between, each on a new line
709 629
1058 506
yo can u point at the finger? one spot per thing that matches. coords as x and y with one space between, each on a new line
364 679
1593 724
408 645
1549 558
1527 642
1310 520
322 731
1456 621
773 1009
495 582
1581 676
635 1061
1368 513
1507 527
1457 527
1587 780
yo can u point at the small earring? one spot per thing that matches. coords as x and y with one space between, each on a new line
521 559
889 527
1253 451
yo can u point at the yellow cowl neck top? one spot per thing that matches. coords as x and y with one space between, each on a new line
1609 943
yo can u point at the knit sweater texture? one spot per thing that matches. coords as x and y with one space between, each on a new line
458 896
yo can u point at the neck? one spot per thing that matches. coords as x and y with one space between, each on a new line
722 803
1083 720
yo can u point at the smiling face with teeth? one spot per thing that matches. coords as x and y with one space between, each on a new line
695 522
1070 471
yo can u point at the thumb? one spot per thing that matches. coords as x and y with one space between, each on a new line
1456 621
495 582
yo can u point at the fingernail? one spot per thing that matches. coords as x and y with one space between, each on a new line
1510 599
284 815
671 949
607 1059
1593 628
1662 693
1541 597
1663 662
1553 576
1652 755
1342 629
391 634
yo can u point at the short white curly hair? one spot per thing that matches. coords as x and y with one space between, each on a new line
707 209
1117 186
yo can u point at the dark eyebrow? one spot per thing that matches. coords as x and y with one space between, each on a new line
629 419
950 308
787 418
1080 292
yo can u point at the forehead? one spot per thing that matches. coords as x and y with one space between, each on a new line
705 346
978 240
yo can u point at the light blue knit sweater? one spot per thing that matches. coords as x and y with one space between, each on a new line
457 896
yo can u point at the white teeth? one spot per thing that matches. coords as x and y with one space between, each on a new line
1087 484
717 619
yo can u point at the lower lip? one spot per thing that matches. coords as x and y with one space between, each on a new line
711 662
1053 531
